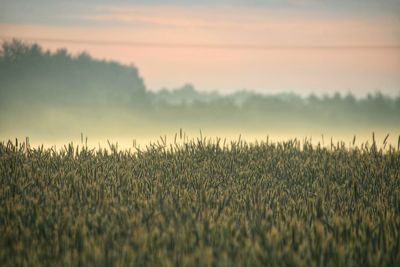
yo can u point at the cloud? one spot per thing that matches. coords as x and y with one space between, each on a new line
249 25
52 12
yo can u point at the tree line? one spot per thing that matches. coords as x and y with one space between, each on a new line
36 78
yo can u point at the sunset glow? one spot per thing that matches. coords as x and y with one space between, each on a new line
116 32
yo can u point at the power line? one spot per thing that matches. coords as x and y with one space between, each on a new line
236 46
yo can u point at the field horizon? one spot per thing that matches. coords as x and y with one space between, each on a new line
181 137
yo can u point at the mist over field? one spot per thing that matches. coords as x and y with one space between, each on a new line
199 133
55 97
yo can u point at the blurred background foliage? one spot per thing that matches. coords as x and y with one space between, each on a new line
48 93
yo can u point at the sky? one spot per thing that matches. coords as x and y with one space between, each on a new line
270 46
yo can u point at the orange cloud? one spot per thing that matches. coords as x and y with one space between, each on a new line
250 25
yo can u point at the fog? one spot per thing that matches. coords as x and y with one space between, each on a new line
55 98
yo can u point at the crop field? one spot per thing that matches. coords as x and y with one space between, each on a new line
201 203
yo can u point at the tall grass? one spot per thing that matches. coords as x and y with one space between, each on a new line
201 203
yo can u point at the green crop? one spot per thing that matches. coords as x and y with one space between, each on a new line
201 203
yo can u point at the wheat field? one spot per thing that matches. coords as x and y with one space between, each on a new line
200 203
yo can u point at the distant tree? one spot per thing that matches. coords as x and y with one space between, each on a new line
27 71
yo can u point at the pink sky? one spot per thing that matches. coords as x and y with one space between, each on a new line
276 70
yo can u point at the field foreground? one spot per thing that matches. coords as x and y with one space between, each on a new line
200 204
